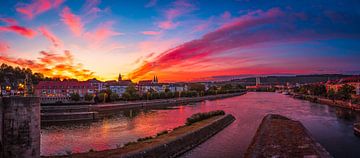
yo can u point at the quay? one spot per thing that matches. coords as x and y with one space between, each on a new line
278 136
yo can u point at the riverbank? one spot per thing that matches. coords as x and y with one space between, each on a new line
321 100
278 136
172 144
61 114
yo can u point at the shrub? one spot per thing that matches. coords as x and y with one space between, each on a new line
145 138
88 97
162 133
75 96
114 97
202 116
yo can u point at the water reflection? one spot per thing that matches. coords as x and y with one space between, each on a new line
332 127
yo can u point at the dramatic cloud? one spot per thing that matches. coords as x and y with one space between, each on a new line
72 21
38 7
53 65
50 36
151 33
256 27
19 30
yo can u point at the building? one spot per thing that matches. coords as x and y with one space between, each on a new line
353 81
145 86
60 91
177 87
119 87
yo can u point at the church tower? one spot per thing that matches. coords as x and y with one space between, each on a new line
119 78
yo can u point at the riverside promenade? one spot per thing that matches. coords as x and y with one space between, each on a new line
70 113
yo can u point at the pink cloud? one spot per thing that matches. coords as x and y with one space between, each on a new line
151 33
4 47
72 21
226 15
179 8
9 21
19 30
50 36
102 33
167 24
38 7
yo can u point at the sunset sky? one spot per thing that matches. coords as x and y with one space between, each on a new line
180 40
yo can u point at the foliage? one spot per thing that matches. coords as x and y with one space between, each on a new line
145 138
162 133
198 87
114 97
89 97
74 96
345 91
102 97
202 116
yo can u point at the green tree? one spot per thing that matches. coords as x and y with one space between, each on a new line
89 97
331 94
114 97
103 97
345 92
75 96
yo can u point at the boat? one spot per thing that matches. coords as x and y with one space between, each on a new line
357 129
286 93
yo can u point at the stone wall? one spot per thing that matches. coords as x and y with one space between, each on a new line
278 136
183 143
20 127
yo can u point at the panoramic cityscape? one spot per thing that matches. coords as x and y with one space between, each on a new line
179 78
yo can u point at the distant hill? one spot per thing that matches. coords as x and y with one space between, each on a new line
292 79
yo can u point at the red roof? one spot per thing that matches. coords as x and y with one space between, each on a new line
63 85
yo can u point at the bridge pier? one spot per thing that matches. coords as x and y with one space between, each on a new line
19 127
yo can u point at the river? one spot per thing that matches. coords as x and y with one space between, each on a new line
330 126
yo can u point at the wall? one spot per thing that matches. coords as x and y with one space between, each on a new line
20 127
183 143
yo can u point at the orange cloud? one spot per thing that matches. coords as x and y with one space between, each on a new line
50 36
38 7
19 30
72 21
53 65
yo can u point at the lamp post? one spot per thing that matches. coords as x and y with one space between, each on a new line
8 89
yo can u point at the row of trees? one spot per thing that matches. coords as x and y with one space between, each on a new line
343 93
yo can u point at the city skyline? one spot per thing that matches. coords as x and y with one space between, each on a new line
180 40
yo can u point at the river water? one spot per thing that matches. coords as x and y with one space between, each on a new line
331 127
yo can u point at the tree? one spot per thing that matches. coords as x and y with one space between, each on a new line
331 94
114 97
345 91
75 96
198 87
103 97
133 93
89 97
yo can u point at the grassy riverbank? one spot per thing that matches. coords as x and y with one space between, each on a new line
176 141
